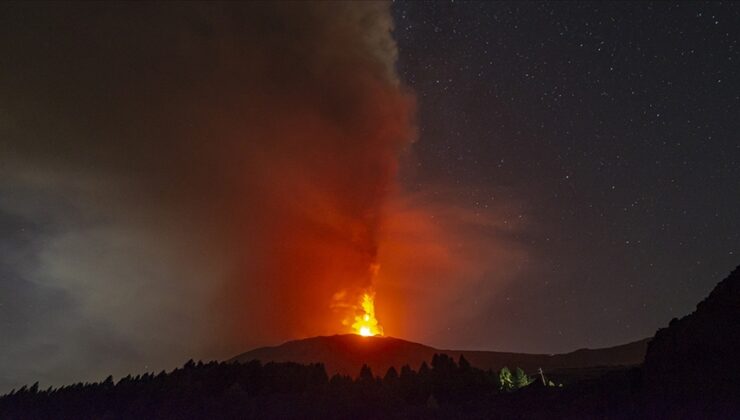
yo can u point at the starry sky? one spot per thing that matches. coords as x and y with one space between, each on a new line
613 126
195 180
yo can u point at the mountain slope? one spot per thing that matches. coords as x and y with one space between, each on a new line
347 353
696 357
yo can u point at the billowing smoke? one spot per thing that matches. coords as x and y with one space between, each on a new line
189 180
210 173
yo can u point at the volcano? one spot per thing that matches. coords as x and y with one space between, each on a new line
345 354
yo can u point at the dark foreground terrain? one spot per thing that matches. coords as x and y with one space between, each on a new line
691 370
346 354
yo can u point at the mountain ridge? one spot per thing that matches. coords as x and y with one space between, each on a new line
346 353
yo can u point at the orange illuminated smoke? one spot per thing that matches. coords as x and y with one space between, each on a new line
365 323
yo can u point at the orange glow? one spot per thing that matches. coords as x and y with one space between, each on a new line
366 324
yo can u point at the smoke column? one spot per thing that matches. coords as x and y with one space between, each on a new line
198 178
189 180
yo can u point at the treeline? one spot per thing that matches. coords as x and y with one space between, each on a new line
254 390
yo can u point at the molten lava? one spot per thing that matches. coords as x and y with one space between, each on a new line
366 324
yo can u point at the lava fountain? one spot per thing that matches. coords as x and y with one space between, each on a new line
366 324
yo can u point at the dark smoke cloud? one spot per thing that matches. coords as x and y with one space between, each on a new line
191 179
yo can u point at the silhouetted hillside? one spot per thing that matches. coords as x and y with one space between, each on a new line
275 390
691 371
347 353
696 359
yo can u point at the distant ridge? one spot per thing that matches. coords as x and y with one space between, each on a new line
345 354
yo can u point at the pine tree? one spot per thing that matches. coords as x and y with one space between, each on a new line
423 369
463 363
366 375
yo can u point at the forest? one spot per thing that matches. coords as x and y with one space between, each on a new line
443 388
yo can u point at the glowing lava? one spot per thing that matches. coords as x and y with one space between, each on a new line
366 324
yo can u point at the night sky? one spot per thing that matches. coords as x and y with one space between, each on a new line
195 180
613 126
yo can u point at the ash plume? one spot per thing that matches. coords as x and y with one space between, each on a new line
208 173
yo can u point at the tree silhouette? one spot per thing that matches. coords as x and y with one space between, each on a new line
391 377
464 364
280 390
423 369
366 375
